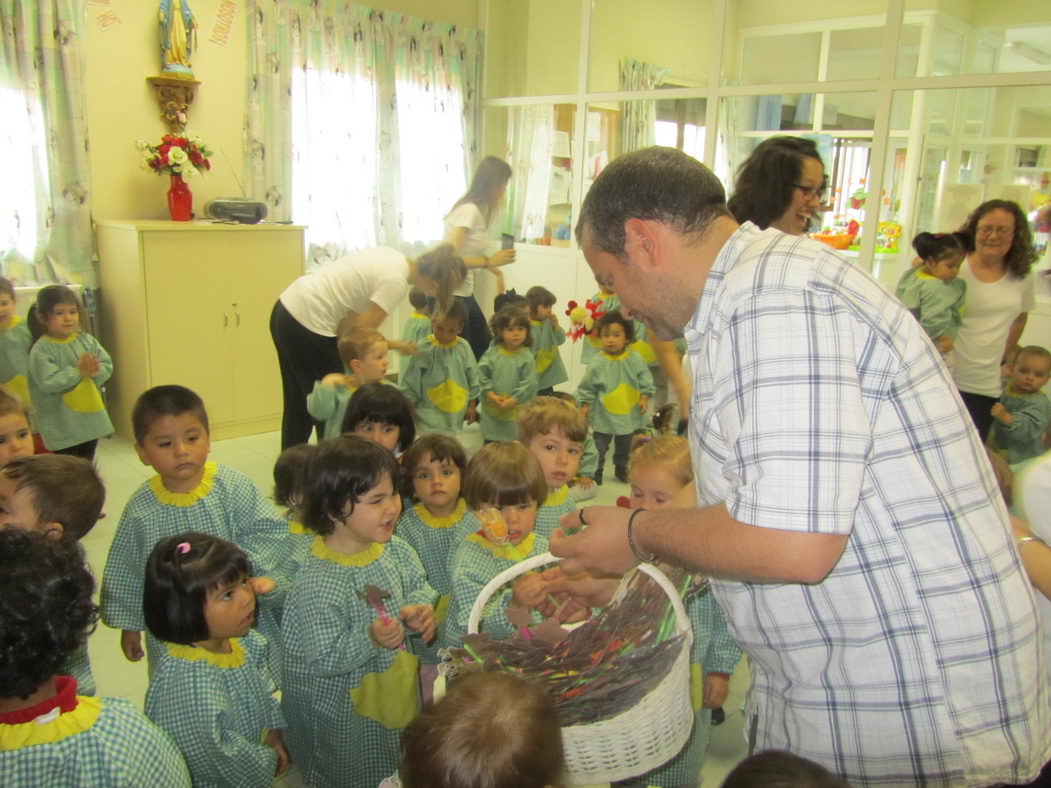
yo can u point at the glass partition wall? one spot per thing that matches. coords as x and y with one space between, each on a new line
921 109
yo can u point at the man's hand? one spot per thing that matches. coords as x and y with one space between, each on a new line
600 548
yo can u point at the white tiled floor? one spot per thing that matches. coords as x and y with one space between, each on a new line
254 456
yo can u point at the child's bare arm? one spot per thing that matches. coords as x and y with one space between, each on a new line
131 645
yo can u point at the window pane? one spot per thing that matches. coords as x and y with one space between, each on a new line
673 37
334 161
536 140
430 144
975 144
786 58
22 147
855 54
532 48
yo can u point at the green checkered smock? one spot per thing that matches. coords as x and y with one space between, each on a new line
544 344
328 403
713 651
15 341
218 709
476 562
102 742
612 387
509 374
68 406
557 504
225 504
435 539
440 381
345 699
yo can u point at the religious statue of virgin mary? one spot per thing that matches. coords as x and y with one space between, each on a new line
178 37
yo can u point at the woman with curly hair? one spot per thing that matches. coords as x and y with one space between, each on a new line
50 735
782 184
999 297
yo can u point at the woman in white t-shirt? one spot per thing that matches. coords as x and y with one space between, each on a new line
467 229
999 298
358 289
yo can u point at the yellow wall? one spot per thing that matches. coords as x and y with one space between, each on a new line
123 107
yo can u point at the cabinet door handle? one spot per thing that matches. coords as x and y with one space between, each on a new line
226 320
237 317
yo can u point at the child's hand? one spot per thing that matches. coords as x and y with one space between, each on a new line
495 398
421 619
407 348
715 691
585 482
275 740
88 365
508 403
644 401
944 343
472 413
335 379
999 412
387 634
554 321
262 585
585 409
131 645
529 590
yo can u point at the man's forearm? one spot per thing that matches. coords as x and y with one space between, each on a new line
708 540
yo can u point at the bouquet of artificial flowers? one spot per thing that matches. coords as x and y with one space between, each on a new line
176 155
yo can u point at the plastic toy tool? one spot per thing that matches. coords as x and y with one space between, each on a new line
374 597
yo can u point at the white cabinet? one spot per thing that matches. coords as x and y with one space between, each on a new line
189 303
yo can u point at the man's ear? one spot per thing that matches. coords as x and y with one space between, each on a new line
644 242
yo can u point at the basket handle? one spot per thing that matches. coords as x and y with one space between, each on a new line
546 558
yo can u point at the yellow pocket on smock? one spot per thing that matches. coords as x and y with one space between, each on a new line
645 349
449 397
19 386
696 686
621 400
441 610
544 359
390 698
85 398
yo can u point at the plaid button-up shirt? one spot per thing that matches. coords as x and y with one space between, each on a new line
819 405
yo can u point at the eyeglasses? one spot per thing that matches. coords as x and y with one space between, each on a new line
1001 231
812 192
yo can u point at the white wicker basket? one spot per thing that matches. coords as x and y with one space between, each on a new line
637 740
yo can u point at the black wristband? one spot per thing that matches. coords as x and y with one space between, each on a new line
631 538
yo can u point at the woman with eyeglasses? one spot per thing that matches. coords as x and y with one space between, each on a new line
782 184
999 297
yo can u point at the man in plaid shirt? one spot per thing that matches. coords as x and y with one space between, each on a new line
861 548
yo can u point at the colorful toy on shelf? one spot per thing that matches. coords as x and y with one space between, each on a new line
888 234
854 228
582 317
857 199
834 239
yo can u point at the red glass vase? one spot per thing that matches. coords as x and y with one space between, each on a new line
180 200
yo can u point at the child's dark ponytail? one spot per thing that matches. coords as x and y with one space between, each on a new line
935 246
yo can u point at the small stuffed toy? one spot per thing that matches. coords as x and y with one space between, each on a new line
583 317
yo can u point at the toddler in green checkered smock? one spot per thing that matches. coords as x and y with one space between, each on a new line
189 493
212 691
359 606
932 291
505 487
50 734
